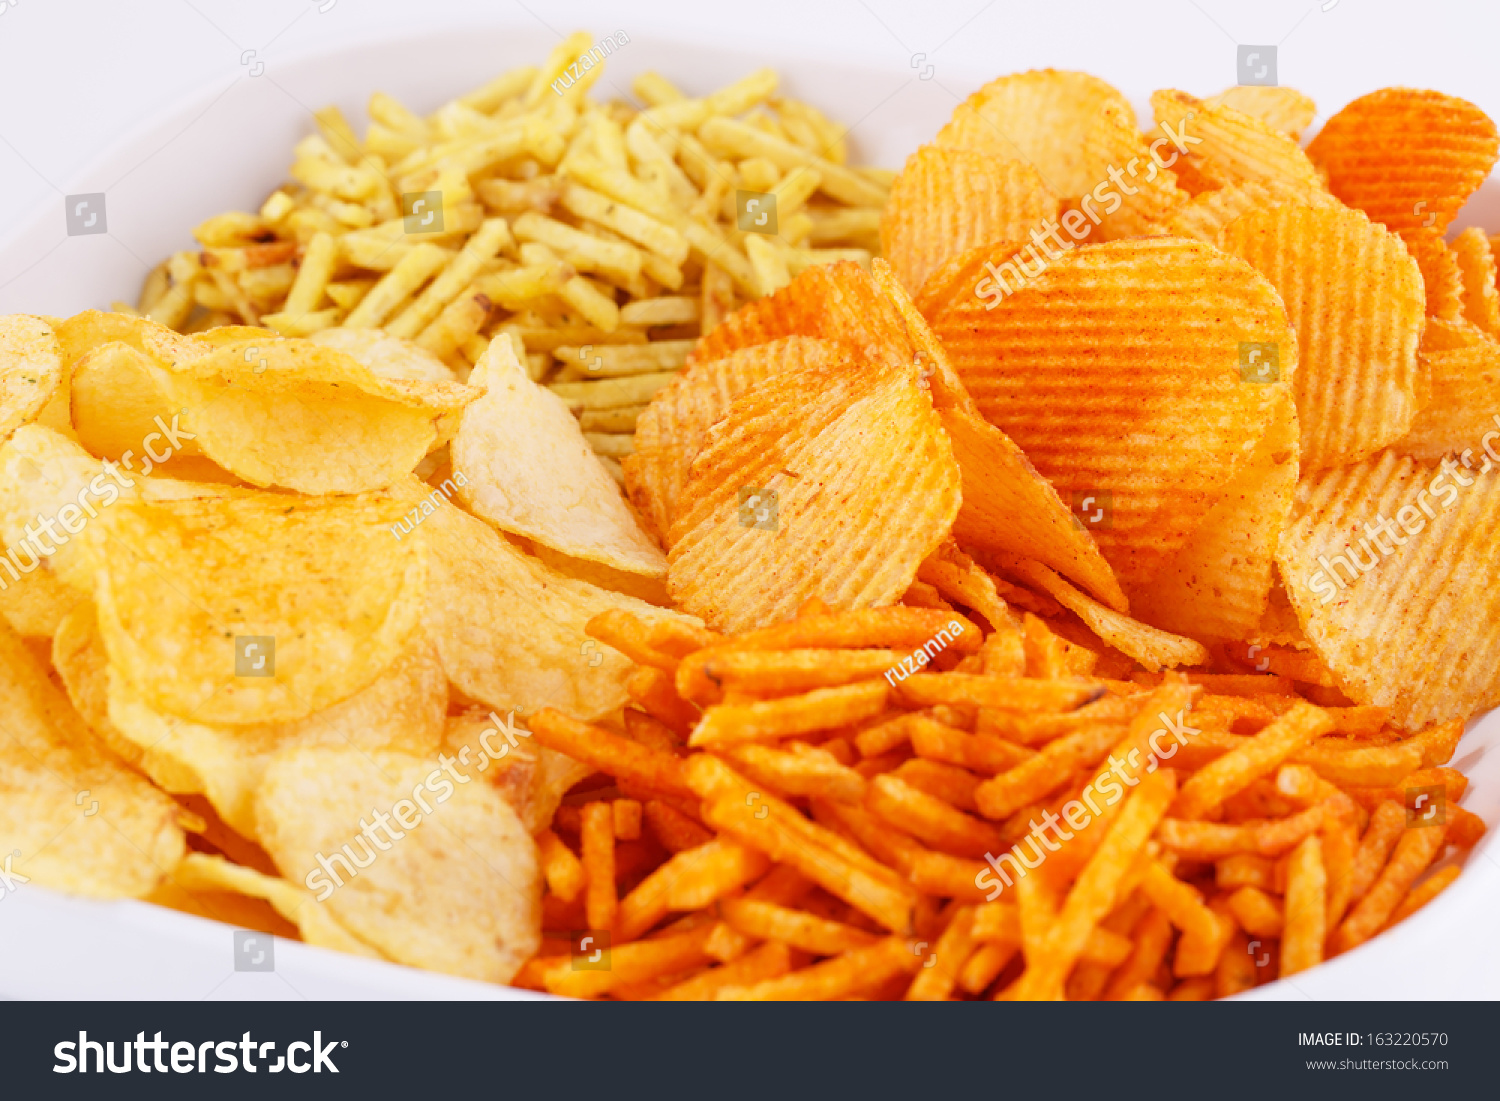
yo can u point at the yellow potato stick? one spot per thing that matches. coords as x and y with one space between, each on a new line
728 137
459 273
414 269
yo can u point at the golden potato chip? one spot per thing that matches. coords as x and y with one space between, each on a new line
403 710
1038 118
1464 365
1218 584
35 603
385 355
79 657
453 885
521 462
1113 147
1354 296
1116 369
295 414
72 817
947 201
254 608
1476 263
531 778
1408 158
214 904
30 370
481 589
1390 565
87 330
1230 146
672 430
829 481
1442 279
1279 107
653 590
1205 217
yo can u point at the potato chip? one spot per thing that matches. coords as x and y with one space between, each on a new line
456 888
947 201
531 778
295 414
526 468
1442 278
653 590
1408 158
83 666
404 710
671 432
1464 365
30 370
832 482
1116 370
1038 118
320 588
1278 623
1112 146
480 588
1218 584
1279 107
73 817
1231 146
1402 614
87 330
1209 212
385 355
1354 297
1476 263
35 603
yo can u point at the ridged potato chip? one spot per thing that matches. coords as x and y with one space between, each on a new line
1230 146
947 201
1408 158
30 370
1279 625
829 481
527 469
1442 279
1279 107
1116 371
1354 295
1218 584
1209 212
1390 564
1476 263
453 887
1112 146
1464 365
322 580
116 839
1036 117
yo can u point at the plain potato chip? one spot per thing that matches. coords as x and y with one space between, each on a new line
1408 158
30 370
385 355
1116 370
527 469
453 886
1354 296
1390 564
319 586
82 664
85 331
1232 146
1476 263
35 603
947 201
653 590
72 816
1209 212
829 481
531 778
1464 366
1279 107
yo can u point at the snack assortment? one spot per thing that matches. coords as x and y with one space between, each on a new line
628 551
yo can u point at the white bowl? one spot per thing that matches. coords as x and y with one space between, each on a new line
226 149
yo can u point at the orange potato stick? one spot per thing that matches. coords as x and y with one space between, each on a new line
1365 766
632 963
1200 989
1465 828
935 873
1418 847
1027 728
1036 906
689 880
930 819
1453 782
1439 741
1000 923
767 720
654 692
678 638
855 971
768 921
1258 913
1302 786
675 830
1236 971
942 967
1004 654
1227 684
1213 840
1237 769
1305 925
810 771
563 871
984 967
650 732
939 741
1386 823
769 961
1423 893
628 633
1094 892
782 886
1340 842
609 752
1153 936
1243 870
919 594
1145 992
1204 933
783 670
601 903
947 782
1046 772
627 819
896 628
978 690
883 737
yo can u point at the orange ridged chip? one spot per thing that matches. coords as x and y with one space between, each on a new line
1442 279
1354 295
1230 146
1211 211
1117 371
1408 158
1038 117
832 482
1464 365
1279 107
671 431
30 370
1406 617
1113 142
946 201
1279 625
1218 584
1476 263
